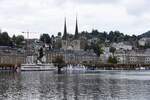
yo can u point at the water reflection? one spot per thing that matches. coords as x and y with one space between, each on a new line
85 86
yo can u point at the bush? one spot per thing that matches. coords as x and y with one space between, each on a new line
112 60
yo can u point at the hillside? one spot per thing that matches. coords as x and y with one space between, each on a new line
146 34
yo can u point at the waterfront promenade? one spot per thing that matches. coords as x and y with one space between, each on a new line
10 61
118 66
14 67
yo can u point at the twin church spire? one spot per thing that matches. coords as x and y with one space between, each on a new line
65 30
76 29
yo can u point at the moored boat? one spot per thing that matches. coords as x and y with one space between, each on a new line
38 67
78 67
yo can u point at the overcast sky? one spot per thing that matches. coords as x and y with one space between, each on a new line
47 16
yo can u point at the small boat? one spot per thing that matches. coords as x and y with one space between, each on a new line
71 68
140 68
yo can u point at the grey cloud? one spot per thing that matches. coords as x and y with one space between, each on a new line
136 8
95 1
61 2
47 15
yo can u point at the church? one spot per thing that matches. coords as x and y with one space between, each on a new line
71 43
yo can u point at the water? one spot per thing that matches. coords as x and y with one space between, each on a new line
102 85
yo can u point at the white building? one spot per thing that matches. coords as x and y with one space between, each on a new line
73 57
144 41
122 45
106 54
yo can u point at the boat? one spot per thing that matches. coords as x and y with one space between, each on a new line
76 68
33 64
141 68
37 61
38 67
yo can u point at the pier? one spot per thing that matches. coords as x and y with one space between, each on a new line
9 67
119 66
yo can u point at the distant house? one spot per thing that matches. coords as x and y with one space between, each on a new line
73 57
93 40
133 56
144 41
122 45
121 56
71 45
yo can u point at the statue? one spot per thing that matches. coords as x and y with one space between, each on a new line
41 54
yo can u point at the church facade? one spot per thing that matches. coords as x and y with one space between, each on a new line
71 45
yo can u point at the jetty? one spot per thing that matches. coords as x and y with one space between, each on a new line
9 67
118 66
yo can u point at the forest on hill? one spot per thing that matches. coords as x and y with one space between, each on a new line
112 36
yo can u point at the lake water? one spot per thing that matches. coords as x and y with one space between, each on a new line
102 85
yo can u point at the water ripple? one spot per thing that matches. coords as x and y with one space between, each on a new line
102 85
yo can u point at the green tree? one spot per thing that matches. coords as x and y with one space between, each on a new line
101 51
59 34
5 40
14 38
97 48
18 40
45 38
112 60
112 50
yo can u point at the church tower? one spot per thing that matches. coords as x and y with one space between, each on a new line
76 30
65 31
71 43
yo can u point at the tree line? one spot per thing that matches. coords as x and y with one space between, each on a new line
112 36
103 37
6 40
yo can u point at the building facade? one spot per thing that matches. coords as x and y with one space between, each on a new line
133 56
12 59
73 57
71 45
122 45
144 42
